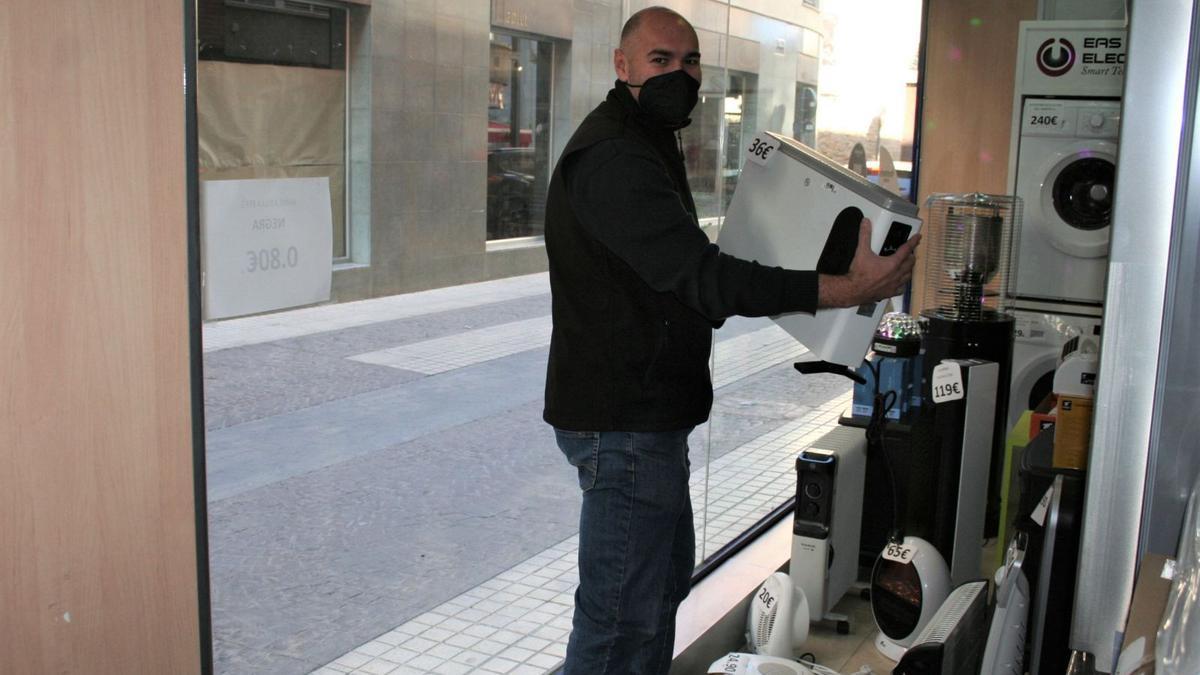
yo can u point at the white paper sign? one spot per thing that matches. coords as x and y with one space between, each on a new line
268 244
947 382
761 149
1039 512
898 553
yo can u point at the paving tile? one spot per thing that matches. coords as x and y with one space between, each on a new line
500 666
373 648
378 667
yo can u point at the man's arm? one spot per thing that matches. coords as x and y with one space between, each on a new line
623 198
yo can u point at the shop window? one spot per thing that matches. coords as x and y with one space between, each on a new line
725 101
272 95
804 125
518 133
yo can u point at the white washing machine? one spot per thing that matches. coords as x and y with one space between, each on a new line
1066 166
1037 350
1062 157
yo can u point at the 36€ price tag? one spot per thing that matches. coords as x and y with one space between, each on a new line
1039 512
898 553
761 149
947 382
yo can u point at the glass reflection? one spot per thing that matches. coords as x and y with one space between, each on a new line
518 134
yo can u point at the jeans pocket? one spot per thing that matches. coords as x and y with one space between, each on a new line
582 449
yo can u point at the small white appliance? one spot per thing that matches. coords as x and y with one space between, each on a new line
778 618
1062 158
755 664
953 641
1004 653
797 209
1041 331
909 583
827 520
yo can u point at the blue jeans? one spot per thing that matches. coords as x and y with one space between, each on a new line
636 549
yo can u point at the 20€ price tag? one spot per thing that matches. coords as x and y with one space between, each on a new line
898 553
947 382
761 149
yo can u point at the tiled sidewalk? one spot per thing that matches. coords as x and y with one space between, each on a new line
468 348
327 318
518 621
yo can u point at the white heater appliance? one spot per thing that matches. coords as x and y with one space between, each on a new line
778 619
1004 653
797 209
827 520
909 583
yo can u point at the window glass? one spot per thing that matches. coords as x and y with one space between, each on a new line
804 129
518 132
867 104
271 95
383 493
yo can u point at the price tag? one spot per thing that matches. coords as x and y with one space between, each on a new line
898 553
1039 512
1045 116
1168 570
761 149
734 664
947 383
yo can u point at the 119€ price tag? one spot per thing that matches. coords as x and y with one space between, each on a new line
898 553
761 149
947 383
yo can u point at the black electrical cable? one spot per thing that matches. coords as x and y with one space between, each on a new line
882 404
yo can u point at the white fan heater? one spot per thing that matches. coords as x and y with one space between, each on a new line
778 620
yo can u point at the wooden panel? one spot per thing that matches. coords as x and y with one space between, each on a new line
98 560
971 53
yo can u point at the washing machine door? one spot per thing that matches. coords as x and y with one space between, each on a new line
1031 382
1074 204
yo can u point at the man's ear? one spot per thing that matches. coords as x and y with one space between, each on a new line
620 64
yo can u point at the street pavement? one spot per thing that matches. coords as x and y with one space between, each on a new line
371 460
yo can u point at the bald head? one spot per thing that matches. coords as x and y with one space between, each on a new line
663 13
656 41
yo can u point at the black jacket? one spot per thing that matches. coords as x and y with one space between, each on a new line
636 285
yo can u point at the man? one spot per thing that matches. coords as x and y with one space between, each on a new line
637 289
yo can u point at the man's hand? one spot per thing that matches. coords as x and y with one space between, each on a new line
871 278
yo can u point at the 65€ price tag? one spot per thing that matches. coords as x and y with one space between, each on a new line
898 553
761 149
947 382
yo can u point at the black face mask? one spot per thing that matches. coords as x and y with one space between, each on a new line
668 99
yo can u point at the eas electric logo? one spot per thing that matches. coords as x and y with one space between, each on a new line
1055 60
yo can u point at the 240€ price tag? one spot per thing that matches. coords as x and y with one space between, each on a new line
947 383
